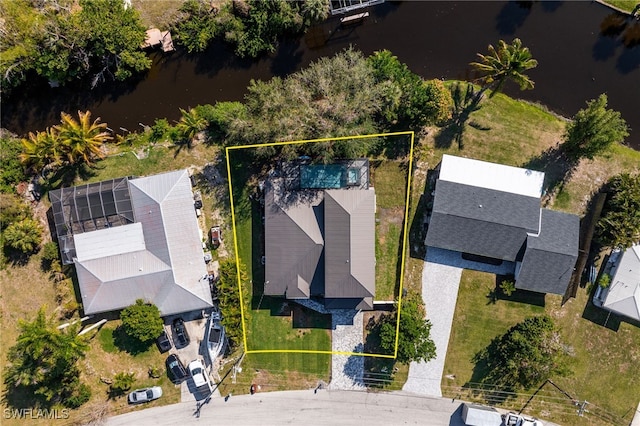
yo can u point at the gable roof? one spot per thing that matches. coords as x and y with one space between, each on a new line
293 242
349 243
550 257
623 295
159 258
481 221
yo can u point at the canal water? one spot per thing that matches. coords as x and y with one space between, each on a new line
578 45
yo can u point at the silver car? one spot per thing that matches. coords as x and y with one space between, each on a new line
145 395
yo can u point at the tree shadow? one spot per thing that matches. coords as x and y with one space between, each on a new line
512 16
465 101
23 397
378 371
557 166
129 344
419 225
482 374
599 316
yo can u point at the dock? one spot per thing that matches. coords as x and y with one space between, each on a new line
354 19
155 37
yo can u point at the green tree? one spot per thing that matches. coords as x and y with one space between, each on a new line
229 295
142 321
220 116
81 140
507 62
314 11
529 353
198 28
12 209
594 130
24 236
409 100
44 360
619 224
41 150
190 124
11 170
414 341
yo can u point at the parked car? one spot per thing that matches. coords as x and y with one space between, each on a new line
180 332
176 370
144 395
200 379
163 342
216 236
513 419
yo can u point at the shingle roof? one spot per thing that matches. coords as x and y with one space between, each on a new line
165 270
349 243
293 242
550 257
481 221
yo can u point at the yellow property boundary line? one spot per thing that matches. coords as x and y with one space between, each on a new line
404 241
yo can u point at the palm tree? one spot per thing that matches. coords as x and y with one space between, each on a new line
41 150
190 124
508 61
82 140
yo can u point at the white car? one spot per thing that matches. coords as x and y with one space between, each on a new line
196 369
513 419
145 395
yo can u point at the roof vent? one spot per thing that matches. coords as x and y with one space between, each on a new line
480 205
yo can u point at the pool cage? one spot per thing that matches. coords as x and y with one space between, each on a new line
87 208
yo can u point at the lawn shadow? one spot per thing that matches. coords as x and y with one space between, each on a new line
128 344
557 167
378 371
418 226
492 394
465 101
23 397
518 295
303 317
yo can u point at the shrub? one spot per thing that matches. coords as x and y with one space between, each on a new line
23 236
79 397
122 382
142 321
159 130
507 287
155 372
604 281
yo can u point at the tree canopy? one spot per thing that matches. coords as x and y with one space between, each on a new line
594 129
24 236
525 356
229 295
414 341
142 321
619 224
506 62
63 40
44 359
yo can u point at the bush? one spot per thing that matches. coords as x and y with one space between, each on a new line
11 170
23 236
159 130
142 321
79 397
604 281
122 382
507 287
155 372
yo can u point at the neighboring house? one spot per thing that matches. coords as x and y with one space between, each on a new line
320 234
491 212
622 296
134 238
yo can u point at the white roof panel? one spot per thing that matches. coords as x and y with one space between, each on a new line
494 176
623 295
109 242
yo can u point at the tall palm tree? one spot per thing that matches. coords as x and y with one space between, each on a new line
508 61
41 150
82 139
190 124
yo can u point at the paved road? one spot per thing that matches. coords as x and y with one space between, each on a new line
326 407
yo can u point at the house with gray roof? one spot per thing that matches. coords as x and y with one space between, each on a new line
491 211
320 235
134 238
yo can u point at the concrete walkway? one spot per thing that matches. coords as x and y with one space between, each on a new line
439 291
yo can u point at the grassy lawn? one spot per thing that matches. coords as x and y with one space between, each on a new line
390 181
627 5
603 368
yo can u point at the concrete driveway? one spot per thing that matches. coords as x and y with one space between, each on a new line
440 282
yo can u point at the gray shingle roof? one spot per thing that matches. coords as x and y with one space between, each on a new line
166 269
550 257
293 242
481 221
349 243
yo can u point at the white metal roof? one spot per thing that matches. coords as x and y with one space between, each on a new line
624 292
494 176
159 258
109 242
